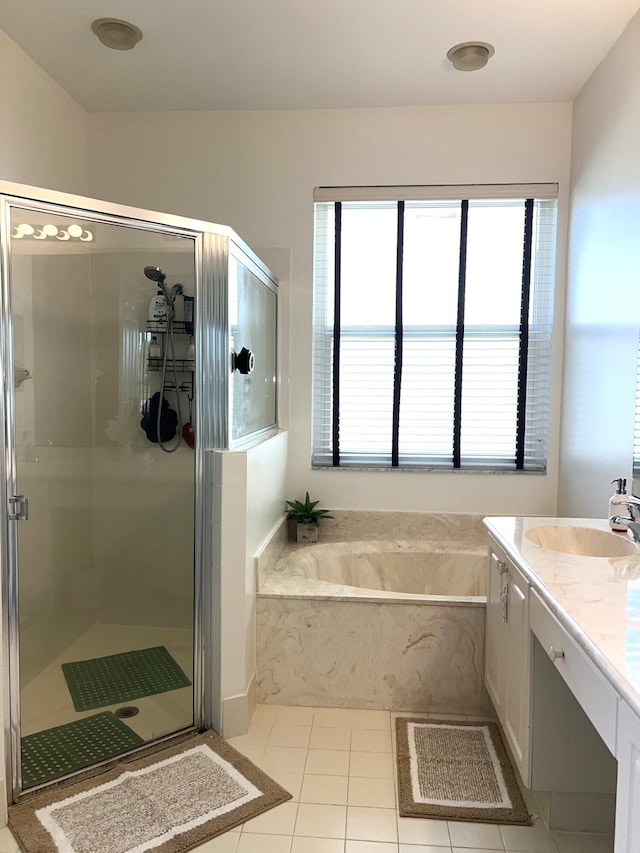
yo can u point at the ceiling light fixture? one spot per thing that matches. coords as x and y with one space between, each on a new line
470 55
116 34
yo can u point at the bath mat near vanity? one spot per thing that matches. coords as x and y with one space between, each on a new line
168 802
65 749
456 771
113 679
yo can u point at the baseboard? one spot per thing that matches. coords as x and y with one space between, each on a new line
237 711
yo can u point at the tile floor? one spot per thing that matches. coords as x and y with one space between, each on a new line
339 766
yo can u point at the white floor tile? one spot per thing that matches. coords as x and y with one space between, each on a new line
369 824
226 843
317 845
378 765
379 793
528 839
414 830
294 716
330 738
291 782
330 790
371 720
295 736
278 821
569 842
321 821
8 844
422 848
265 715
259 733
284 758
370 740
475 850
264 843
485 836
329 762
333 717
370 847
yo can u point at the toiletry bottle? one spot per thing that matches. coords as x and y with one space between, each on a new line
616 509
191 355
154 348
158 309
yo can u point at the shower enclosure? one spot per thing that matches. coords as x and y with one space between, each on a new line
123 333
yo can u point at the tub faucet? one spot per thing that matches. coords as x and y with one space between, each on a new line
632 521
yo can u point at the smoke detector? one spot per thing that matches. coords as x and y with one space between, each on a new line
116 34
470 55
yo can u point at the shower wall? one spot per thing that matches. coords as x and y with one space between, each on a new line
144 498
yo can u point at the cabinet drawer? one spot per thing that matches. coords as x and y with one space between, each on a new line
590 688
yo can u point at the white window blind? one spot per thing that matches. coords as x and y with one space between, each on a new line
423 355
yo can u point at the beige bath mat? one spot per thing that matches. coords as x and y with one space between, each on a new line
168 802
456 771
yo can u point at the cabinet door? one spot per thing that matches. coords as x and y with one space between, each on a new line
628 793
495 633
517 712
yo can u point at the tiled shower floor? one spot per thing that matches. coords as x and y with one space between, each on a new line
339 766
46 701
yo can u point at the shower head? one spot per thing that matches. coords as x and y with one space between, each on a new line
158 275
155 274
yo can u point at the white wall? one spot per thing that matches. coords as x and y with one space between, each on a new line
603 307
44 131
252 484
256 172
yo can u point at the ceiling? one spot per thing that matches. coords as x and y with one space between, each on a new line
299 54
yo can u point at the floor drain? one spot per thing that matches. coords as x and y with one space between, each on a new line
127 711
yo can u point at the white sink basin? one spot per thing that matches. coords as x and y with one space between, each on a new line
582 541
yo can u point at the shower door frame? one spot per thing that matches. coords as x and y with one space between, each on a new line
206 609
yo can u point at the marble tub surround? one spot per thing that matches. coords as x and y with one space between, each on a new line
386 613
365 654
597 599
349 525
374 570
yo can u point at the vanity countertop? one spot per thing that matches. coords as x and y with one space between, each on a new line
597 599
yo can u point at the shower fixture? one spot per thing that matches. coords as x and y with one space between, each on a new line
159 276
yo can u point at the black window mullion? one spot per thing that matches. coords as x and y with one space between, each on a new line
462 279
523 355
397 370
335 444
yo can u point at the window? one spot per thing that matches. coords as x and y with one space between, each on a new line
432 326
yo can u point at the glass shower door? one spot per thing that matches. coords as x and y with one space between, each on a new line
105 561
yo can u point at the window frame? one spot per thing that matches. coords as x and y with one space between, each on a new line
329 332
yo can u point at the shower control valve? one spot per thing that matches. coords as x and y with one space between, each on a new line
243 361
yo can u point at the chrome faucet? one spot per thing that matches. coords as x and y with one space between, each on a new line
632 521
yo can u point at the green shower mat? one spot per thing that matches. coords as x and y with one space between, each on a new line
64 749
99 682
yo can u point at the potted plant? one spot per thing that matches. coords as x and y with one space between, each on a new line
306 518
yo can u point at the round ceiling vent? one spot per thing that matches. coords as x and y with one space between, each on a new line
470 55
116 34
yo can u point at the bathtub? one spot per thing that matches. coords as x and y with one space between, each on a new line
382 570
384 624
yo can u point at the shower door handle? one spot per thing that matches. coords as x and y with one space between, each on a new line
19 508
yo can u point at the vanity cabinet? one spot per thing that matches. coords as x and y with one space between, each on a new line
627 836
508 655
